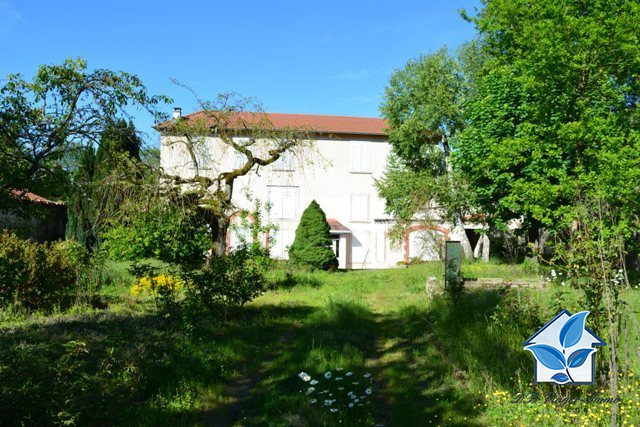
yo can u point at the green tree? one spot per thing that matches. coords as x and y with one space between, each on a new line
118 150
555 113
423 107
63 108
118 137
311 247
553 135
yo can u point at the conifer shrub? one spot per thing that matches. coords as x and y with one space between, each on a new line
312 245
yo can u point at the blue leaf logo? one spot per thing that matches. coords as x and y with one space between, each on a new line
571 332
578 357
550 357
560 378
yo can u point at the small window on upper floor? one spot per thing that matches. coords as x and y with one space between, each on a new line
284 162
202 153
360 157
239 160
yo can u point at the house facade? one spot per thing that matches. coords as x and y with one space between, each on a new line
349 154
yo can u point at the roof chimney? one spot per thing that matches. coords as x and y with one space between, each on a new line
177 113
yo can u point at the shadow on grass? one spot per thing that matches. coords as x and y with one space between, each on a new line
143 370
117 369
420 357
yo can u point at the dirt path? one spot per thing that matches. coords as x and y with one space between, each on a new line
237 411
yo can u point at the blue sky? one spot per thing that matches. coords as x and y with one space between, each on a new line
305 56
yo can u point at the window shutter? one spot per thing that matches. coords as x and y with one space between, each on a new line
355 156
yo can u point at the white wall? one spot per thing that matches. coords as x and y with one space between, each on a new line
328 176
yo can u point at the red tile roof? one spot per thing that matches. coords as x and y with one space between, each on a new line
336 225
345 125
23 194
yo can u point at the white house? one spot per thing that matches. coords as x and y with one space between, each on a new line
350 153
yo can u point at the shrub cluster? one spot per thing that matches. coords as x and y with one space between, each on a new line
161 233
36 275
230 281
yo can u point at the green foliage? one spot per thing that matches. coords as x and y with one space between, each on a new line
117 155
62 107
423 106
229 281
39 276
556 111
311 247
117 137
164 231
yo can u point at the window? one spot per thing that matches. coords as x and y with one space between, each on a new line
239 160
360 207
360 154
284 202
284 162
202 153
281 240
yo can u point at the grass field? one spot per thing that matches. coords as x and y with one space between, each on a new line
431 363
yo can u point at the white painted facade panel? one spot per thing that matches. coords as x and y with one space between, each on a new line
339 175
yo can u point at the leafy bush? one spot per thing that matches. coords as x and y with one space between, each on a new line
163 233
231 280
312 245
38 275
163 288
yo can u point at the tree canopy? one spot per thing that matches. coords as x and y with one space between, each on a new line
62 108
556 111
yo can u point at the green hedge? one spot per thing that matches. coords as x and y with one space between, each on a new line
34 275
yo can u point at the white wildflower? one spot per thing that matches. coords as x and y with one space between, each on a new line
368 391
338 378
334 410
355 383
327 374
314 400
350 405
304 376
367 375
340 388
313 382
348 374
310 390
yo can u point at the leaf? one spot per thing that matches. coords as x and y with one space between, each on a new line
560 378
571 332
548 356
578 357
